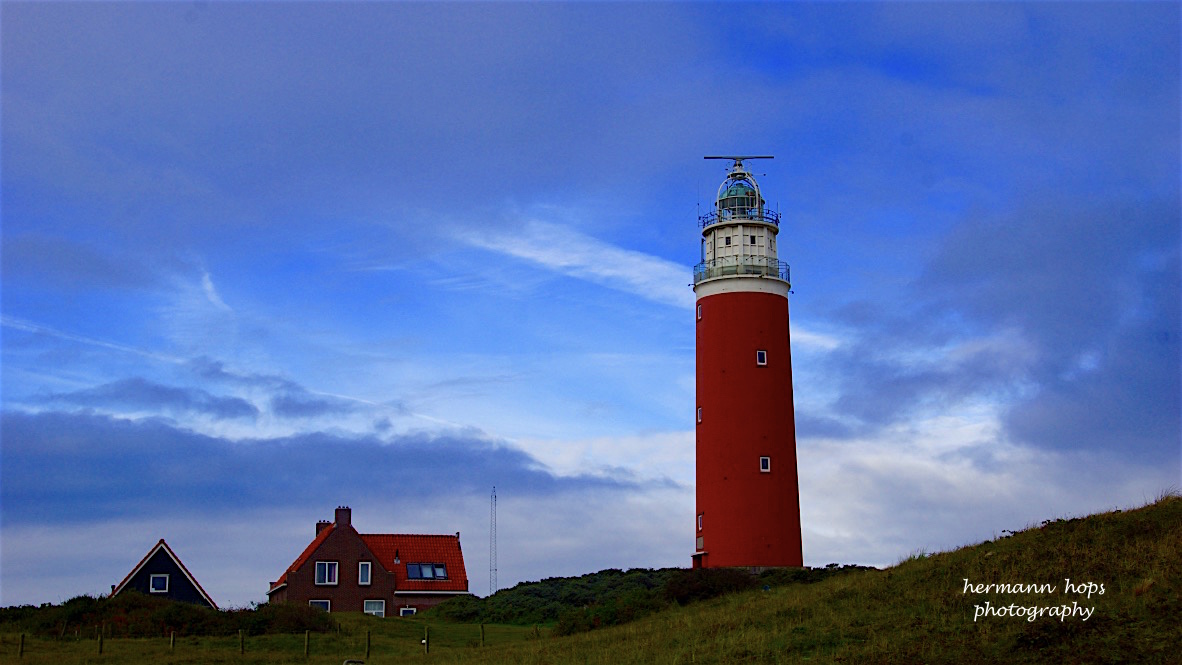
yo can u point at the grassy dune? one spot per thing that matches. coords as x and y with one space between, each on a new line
916 612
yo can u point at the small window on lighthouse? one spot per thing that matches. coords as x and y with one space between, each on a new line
727 241
752 240
700 521
761 357
699 311
765 465
699 414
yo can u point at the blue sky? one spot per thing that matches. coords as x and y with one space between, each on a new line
263 259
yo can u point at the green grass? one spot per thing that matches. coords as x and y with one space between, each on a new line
915 612
390 640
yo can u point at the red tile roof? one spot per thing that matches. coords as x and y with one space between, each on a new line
406 548
416 548
303 557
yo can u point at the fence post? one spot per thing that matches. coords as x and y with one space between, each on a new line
307 639
482 634
100 645
172 641
20 650
367 645
426 639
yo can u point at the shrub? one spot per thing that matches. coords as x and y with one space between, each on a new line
696 584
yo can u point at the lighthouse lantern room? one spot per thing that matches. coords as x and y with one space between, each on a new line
748 501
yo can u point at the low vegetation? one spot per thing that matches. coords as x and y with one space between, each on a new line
614 597
1105 588
136 615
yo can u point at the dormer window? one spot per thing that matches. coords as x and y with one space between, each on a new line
426 571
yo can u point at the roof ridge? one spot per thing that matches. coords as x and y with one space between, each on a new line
176 559
413 535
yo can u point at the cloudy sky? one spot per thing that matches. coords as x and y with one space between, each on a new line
264 259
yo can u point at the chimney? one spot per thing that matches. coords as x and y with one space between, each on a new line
322 525
344 516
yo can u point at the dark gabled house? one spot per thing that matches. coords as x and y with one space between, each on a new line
161 573
342 570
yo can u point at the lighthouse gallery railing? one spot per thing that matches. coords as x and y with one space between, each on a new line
733 215
764 266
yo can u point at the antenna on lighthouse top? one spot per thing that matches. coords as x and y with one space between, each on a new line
738 165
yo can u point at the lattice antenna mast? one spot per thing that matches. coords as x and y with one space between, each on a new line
492 543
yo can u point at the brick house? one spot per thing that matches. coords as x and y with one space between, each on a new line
342 570
161 573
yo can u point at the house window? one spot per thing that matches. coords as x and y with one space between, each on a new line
761 358
325 605
375 607
426 571
326 572
407 611
699 414
700 521
699 311
765 465
363 570
158 583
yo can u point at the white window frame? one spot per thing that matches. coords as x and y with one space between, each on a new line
699 414
377 613
765 464
407 611
761 358
700 521
329 580
367 578
152 583
321 603
699 311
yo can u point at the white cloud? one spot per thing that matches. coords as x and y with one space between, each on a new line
812 339
574 254
211 293
648 456
39 329
946 481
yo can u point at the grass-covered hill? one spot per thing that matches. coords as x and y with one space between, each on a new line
613 597
1100 589
1124 567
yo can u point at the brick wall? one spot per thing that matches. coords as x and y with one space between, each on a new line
346 548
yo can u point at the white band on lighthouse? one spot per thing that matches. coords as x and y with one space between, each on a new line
712 287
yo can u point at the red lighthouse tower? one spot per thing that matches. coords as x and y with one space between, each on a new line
748 511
